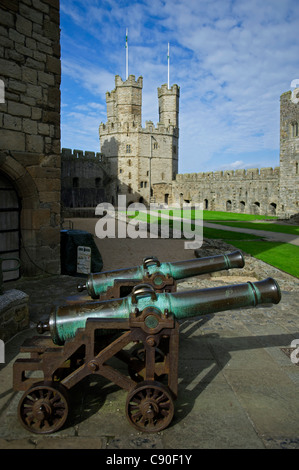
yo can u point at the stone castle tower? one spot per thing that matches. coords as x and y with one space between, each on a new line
289 152
139 157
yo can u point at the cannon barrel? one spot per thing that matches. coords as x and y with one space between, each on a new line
66 320
98 283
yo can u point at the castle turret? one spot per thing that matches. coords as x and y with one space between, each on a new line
169 105
128 99
289 153
110 102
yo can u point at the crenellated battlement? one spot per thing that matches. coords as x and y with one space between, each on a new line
129 82
234 175
115 127
67 153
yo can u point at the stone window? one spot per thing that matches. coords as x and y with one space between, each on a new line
98 182
162 176
128 148
120 170
174 149
129 176
296 168
155 145
145 184
129 189
129 162
295 129
141 184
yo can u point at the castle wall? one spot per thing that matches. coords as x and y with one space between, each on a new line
30 126
289 153
249 191
85 178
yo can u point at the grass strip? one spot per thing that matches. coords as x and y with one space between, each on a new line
281 255
290 229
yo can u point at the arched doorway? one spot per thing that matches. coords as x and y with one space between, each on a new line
228 206
9 227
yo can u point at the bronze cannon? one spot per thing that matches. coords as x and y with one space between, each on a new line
146 319
162 276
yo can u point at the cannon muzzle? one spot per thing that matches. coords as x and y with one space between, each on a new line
66 320
98 283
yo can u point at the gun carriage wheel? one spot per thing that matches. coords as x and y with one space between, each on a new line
43 408
150 406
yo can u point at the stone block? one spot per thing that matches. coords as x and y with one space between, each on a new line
12 140
36 113
52 117
35 64
29 126
10 69
25 51
12 122
16 85
30 13
15 36
19 109
43 129
35 91
48 184
41 6
53 65
6 18
46 78
35 219
23 25
14 313
34 143
30 43
29 75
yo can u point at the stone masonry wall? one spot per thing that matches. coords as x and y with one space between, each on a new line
289 153
30 125
248 191
85 178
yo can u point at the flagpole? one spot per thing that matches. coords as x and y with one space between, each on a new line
168 65
127 56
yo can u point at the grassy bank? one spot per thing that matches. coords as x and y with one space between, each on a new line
281 255
291 229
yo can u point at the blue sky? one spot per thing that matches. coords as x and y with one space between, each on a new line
232 59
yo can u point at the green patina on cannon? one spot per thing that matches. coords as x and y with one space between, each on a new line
161 276
66 320
141 330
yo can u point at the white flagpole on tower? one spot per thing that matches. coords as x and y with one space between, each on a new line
127 56
168 65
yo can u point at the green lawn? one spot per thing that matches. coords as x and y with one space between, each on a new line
209 215
217 215
281 255
226 235
291 229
